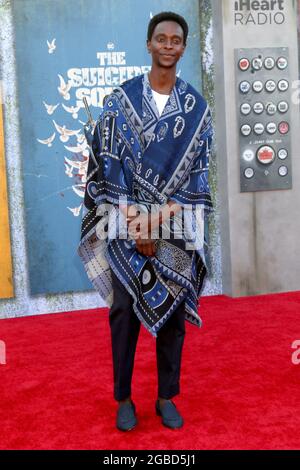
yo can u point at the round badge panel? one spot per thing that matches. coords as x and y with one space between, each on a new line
244 64
282 63
248 155
249 173
258 107
271 128
257 86
257 63
259 128
265 154
269 63
283 85
271 109
245 86
282 170
282 154
246 130
283 107
283 127
270 86
245 109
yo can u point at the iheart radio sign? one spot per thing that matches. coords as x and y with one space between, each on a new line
259 12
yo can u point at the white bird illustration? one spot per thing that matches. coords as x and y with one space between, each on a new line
80 138
80 165
47 141
64 88
72 109
78 149
69 171
79 192
76 210
51 46
50 108
65 133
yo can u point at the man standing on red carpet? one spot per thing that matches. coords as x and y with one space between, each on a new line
145 212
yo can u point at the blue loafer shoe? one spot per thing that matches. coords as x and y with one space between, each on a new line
126 416
170 415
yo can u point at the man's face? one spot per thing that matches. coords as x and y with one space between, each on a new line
166 45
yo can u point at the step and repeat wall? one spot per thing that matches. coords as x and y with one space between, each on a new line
51 58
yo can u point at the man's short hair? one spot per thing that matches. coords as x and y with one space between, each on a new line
168 16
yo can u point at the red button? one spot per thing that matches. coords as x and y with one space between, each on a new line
265 154
244 64
283 127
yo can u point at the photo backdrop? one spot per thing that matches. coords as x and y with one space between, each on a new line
65 51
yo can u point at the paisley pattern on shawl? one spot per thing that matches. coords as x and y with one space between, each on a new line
140 157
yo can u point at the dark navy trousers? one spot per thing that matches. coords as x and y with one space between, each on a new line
125 328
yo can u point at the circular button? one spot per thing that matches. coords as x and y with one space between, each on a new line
257 63
282 170
249 172
245 87
245 108
269 63
257 86
283 107
246 130
271 109
282 63
270 86
282 154
283 85
271 128
258 107
259 128
244 64
265 154
248 155
283 127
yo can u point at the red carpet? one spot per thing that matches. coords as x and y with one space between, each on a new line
239 389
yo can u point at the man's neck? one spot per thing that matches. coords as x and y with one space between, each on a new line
162 80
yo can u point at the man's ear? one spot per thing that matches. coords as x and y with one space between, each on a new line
148 46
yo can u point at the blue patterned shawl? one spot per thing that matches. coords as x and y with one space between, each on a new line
142 157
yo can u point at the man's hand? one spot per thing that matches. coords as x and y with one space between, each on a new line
143 225
146 247
138 227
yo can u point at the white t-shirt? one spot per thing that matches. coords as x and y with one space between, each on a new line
160 100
